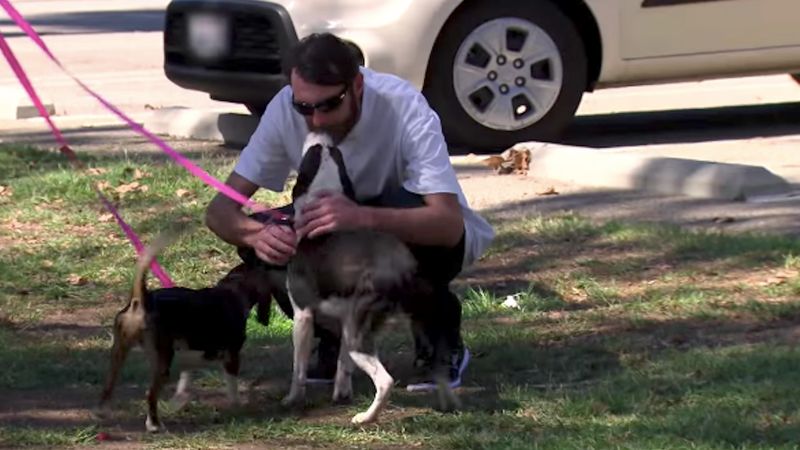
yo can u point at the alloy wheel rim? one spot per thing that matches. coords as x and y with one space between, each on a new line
507 74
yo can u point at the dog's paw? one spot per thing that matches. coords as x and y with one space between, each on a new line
343 399
363 418
152 426
343 393
293 401
101 412
448 400
179 401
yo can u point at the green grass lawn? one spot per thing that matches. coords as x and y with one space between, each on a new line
626 335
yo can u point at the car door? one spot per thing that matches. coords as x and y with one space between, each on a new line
666 28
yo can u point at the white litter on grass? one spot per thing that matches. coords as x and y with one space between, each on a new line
511 302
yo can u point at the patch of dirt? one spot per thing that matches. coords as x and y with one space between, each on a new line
74 324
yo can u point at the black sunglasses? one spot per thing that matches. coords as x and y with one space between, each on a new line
327 105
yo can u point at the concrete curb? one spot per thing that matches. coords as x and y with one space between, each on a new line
623 168
17 105
615 168
231 128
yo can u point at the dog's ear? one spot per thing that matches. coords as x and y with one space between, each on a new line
309 166
347 185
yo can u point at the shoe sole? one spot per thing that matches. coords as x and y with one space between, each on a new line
431 386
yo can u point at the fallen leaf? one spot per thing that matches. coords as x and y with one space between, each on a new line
5 191
494 161
549 191
130 187
76 280
138 174
96 171
103 185
181 193
107 217
47 263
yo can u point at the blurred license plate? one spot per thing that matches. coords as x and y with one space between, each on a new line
209 35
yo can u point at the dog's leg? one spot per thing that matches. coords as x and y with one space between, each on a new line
380 378
119 351
232 378
160 374
182 395
343 383
302 331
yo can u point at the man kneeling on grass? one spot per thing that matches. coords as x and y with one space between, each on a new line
397 158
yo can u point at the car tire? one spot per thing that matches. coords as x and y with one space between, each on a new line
540 84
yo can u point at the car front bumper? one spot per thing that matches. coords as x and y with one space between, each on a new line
243 63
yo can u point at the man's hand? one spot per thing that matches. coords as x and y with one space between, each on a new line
274 243
330 212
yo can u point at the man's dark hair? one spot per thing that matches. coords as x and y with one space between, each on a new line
323 59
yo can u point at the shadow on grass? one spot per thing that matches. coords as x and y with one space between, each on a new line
25 159
625 252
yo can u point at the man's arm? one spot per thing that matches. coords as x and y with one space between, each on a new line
272 243
439 222
225 217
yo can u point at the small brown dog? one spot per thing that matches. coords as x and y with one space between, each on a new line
208 323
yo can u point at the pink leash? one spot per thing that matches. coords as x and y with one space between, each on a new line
159 272
66 150
180 159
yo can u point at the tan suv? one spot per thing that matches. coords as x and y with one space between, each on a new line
496 71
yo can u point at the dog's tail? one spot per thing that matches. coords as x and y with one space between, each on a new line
143 266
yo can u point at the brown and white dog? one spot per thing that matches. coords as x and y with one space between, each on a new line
199 326
359 278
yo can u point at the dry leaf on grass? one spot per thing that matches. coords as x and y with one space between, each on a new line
131 187
107 217
76 280
779 277
183 193
137 174
96 171
5 191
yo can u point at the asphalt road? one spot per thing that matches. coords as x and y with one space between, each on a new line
115 46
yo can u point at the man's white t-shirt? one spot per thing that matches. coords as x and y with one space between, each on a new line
397 141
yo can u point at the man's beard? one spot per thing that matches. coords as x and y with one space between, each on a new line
339 132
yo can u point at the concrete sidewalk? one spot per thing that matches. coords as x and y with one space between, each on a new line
725 170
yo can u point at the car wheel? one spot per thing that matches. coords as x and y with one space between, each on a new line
505 72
